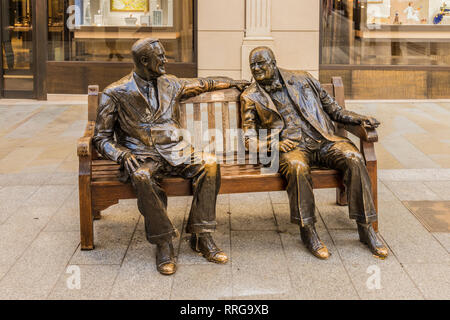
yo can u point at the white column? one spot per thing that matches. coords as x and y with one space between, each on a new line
258 19
258 30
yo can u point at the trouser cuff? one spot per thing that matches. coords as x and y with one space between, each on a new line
164 237
201 227
365 219
304 221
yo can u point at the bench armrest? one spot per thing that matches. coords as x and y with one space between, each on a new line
364 133
84 147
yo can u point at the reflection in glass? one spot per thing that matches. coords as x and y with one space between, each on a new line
104 30
17 45
385 32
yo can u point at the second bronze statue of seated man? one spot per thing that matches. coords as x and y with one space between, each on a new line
295 106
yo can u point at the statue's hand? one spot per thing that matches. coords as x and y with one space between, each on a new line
287 145
240 84
130 163
370 122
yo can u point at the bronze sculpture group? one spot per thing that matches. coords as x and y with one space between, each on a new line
138 126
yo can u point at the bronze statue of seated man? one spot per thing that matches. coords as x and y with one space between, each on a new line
293 105
138 126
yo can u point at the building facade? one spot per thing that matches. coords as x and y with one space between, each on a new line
381 48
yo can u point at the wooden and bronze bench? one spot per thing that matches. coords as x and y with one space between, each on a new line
99 187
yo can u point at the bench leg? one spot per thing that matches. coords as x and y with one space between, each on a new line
86 214
341 196
97 214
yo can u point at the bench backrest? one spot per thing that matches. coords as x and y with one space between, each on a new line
219 110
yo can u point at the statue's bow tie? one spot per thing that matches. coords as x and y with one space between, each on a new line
275 86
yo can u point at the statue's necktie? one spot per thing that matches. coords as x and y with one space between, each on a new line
152 97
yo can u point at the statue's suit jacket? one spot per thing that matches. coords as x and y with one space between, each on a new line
125 113
312 101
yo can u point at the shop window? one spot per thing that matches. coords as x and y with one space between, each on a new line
104 30
385 32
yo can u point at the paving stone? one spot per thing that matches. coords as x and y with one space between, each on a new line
384 193
327 196
288 295
223 199
432 279
14 240
441 188
201 282
411 190
8 208
251 211
394 283
444 239
66 217
3 271
258 264
138 277
337 217
19 193
111 244
62 178
112 235
279 197
406 153
95 283
23 179
50 196
37 216
322 281
38 269
414 175
407 238
178 202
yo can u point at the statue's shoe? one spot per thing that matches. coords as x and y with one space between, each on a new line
165 259
312 241
368 236
204 244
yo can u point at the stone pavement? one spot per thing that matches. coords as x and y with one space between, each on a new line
39 226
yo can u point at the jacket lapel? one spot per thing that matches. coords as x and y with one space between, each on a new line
290 82
165 95
138 102
265 100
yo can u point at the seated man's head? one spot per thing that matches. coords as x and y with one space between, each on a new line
149 58
263 64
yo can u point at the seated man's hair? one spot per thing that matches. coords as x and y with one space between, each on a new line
142 47
262 48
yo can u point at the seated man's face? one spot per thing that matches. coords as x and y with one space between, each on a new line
156 60
262 66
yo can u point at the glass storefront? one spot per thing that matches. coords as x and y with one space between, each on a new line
104 30
17 47
89 41
386 38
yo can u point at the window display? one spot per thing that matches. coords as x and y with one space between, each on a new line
127 12
104 30
386 32
407 12
381 42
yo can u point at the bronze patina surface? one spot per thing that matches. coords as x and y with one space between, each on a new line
138 126
293 106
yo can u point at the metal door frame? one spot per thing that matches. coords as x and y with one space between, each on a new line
39 54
